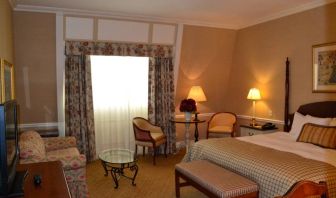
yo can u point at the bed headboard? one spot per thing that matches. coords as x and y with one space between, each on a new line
324 109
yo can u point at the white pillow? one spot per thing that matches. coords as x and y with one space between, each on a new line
317 120
298 121
332 122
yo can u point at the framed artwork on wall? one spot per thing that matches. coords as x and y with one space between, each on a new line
7 81
324 67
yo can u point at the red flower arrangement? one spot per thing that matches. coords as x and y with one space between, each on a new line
188 105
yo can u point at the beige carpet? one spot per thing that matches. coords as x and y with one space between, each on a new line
152 181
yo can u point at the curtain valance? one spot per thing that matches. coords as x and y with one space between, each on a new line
119 49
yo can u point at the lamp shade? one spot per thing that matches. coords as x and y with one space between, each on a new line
197 93
254 94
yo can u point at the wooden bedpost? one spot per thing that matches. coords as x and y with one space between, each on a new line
286 116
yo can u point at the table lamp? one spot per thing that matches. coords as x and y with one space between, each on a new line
197 93
254 95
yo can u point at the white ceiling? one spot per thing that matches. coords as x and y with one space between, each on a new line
233 14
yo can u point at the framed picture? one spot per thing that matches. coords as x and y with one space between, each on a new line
7 81
324 67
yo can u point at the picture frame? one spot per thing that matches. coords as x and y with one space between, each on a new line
7 81
324 68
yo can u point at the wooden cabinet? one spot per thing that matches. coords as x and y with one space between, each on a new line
249 130
53 183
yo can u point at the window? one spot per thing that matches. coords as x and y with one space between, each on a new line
120 92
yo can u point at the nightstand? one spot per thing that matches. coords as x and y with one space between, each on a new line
246 130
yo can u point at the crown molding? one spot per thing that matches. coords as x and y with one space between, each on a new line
288 12
116 15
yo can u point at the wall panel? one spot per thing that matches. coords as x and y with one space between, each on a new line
35 65
79 28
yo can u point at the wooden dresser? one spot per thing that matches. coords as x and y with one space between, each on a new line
53 183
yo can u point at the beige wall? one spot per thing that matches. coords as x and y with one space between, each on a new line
35 59
259 61
206 60
6 31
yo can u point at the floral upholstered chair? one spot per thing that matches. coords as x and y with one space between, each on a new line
34 148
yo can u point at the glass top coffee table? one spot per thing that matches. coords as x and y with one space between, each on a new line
116 160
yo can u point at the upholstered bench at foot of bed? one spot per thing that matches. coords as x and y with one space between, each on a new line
213 180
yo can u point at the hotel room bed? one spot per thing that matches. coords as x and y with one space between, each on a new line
274 161
274 169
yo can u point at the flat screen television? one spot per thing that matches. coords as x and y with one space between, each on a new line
11 181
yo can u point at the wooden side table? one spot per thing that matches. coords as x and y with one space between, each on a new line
246 130
53 180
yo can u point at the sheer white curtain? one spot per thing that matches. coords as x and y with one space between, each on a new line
120 92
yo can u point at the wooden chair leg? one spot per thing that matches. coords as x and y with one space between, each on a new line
165 150
177 185
143 151
207 136
136 150
154 154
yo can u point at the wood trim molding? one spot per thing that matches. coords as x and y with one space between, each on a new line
177 57
12 3
245 117
60 65
39 125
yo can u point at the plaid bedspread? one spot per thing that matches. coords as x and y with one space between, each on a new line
274 171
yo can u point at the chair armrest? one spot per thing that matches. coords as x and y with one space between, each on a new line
155 129
72 162
56 143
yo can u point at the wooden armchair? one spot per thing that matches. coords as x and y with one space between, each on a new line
222 123
304 189
148 135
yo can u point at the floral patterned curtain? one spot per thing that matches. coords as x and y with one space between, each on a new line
161 82
78 104
161 107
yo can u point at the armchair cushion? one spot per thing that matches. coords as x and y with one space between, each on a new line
220 129
55 143
70 158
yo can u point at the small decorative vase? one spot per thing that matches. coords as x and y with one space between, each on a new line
187 116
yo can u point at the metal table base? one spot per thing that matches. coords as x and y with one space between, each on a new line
117 170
